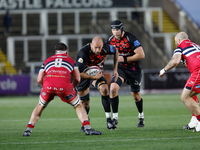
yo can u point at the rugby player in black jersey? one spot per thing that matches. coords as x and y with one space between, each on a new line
94 54
129 68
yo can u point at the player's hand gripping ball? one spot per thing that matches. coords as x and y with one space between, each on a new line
92 70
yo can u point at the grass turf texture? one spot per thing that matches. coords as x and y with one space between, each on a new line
59 127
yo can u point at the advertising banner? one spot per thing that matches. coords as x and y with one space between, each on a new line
14 84
171 80
62 4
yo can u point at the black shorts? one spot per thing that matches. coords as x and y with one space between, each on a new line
85 83
132 78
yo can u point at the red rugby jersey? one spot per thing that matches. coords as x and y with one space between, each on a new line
58 69
190 53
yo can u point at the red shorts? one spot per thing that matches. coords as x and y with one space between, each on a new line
193 83
66 93
196 99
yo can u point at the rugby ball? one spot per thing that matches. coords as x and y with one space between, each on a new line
92 70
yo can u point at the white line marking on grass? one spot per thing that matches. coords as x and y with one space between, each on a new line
114 140
53 119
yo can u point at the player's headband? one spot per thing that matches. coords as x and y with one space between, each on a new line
61 52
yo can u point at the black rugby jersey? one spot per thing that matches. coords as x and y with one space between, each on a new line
126 46
86 57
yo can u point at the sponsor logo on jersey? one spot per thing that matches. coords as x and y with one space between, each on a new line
80 60
136 43
56 76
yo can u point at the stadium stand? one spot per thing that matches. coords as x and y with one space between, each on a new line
31 41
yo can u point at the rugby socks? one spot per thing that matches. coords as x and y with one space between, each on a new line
30 126
115 103
86 124
198 118
139 106
106 105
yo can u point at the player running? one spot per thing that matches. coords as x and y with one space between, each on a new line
189 53
129 68
94 54
54 78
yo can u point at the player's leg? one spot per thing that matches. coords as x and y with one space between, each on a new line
134 79
83 92
187 99
139 103
82 115
85 99
35 116
114 98
101 85
193 121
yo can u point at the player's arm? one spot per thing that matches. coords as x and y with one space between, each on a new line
96 77
175 60
115 73
101 65
139 54
76 76
40 77
83 75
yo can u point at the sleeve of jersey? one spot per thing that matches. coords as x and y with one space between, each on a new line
177 51
42 67
134 42
108 41
109 49
81 63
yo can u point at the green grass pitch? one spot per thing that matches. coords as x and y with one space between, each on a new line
59 127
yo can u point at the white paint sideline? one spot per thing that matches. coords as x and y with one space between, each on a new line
89 141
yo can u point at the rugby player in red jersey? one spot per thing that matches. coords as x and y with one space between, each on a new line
188 52
55 79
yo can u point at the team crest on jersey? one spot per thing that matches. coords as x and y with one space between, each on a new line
80 60
198 86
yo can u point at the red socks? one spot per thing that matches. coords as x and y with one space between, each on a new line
31 125
86 122
198 118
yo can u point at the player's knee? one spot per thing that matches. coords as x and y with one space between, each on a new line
76 102
85 99
183 99
104 89
42 102
137 100
115 86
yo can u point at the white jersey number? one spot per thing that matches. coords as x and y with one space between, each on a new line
58 62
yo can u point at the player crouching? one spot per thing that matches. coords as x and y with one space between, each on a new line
55 79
